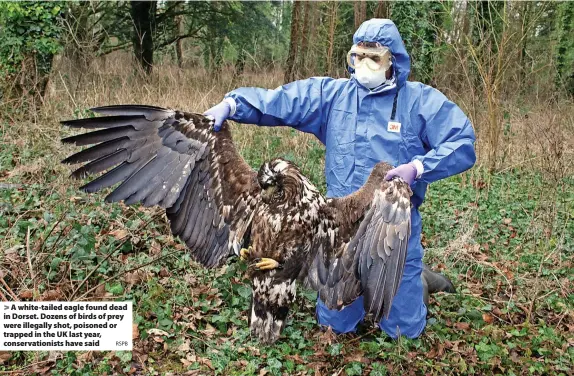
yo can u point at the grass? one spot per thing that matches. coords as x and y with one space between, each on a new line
505 239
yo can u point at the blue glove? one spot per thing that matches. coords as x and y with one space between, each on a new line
219 113
407 172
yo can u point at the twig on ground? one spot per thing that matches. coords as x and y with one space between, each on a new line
32 276
3 297
9 290
362 336
67 91
21 371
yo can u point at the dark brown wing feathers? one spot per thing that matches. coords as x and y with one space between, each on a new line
373 227
385 247
172 159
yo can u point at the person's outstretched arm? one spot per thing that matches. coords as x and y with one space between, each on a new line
303 105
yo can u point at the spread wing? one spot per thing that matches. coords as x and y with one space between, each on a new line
362 247
174 160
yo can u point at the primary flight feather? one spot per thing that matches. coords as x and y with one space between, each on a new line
342 247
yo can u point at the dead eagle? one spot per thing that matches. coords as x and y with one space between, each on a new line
344 247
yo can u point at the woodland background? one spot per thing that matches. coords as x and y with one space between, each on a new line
503 231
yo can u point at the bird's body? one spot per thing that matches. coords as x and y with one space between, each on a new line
282 230
342 247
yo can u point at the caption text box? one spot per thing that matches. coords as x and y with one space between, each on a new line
66 326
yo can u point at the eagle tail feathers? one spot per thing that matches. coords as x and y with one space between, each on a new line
270 306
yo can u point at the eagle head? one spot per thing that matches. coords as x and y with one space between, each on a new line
280 181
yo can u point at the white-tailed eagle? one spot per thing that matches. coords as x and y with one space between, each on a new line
343 247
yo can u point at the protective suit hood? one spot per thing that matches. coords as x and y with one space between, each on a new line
386 33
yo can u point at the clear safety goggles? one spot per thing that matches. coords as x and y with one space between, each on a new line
379 57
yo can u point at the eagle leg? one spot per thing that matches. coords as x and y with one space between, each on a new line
267 264
244 253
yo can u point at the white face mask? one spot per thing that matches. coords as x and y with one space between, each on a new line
369 74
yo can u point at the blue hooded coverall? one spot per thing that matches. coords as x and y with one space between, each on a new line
351 121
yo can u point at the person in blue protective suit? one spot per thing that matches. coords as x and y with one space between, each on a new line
376 115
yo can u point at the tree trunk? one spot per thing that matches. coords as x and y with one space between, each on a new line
178 49
313 49
360 13
331 39
143 16
382 10
216 55
240 62
302 58
522 35
290 71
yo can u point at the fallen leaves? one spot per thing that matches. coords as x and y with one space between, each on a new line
487 318
436 351
327 336
119 234
26 294
135 277
5 356
184 346
462 326
155 248
209 330
157 332
85 358
52 295
164 273
191 359
135 332
356 355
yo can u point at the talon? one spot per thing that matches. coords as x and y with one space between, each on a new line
267 264
244 253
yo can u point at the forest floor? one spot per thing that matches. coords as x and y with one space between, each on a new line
505 239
